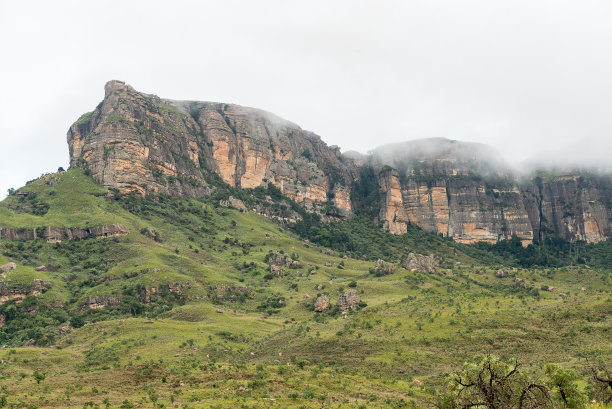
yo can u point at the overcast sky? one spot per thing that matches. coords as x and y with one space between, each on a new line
528 77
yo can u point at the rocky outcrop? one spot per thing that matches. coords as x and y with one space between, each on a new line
100 301
233 202
419 262
382 268
140 143
321 304
11 291
348 300
56 234
282 260
8 267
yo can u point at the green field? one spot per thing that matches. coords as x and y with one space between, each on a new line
195 319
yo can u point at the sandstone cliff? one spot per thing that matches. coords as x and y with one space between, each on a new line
140 143
452 191
56 235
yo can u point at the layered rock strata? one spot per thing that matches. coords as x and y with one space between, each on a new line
56 234
140 143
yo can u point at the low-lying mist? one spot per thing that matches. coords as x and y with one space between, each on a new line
584 156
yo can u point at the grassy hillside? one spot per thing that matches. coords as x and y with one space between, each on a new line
188 313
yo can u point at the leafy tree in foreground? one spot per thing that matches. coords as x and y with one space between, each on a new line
488 382
563 382
602 383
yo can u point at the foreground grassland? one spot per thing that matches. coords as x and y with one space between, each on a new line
236 336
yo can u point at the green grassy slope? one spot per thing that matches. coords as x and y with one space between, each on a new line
201 323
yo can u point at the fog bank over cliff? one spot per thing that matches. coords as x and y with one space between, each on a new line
588 155
521 76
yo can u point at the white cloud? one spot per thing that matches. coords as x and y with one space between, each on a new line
523 76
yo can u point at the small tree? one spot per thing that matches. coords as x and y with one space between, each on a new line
77 321
563 381
491 383
126 404
39 376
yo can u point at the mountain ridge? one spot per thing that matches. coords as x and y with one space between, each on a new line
140 143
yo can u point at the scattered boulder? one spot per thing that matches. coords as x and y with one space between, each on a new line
39 286
8 267
327 264
501 273
281 260
419 262
348 300
277 270
100 301
233 202
382 268
321 304
41 268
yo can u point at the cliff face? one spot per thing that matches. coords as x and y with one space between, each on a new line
571 207
472 200
140 143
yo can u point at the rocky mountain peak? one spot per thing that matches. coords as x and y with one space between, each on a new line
115 85
142 144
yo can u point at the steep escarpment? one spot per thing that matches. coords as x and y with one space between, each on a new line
140 143
57 235
573 206
464 191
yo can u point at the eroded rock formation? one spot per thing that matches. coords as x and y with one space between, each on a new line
321 304
421 263
348 300
465 191
140 143
11 291
56 234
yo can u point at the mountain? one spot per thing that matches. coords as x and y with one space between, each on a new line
153 273
140 143
143 144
